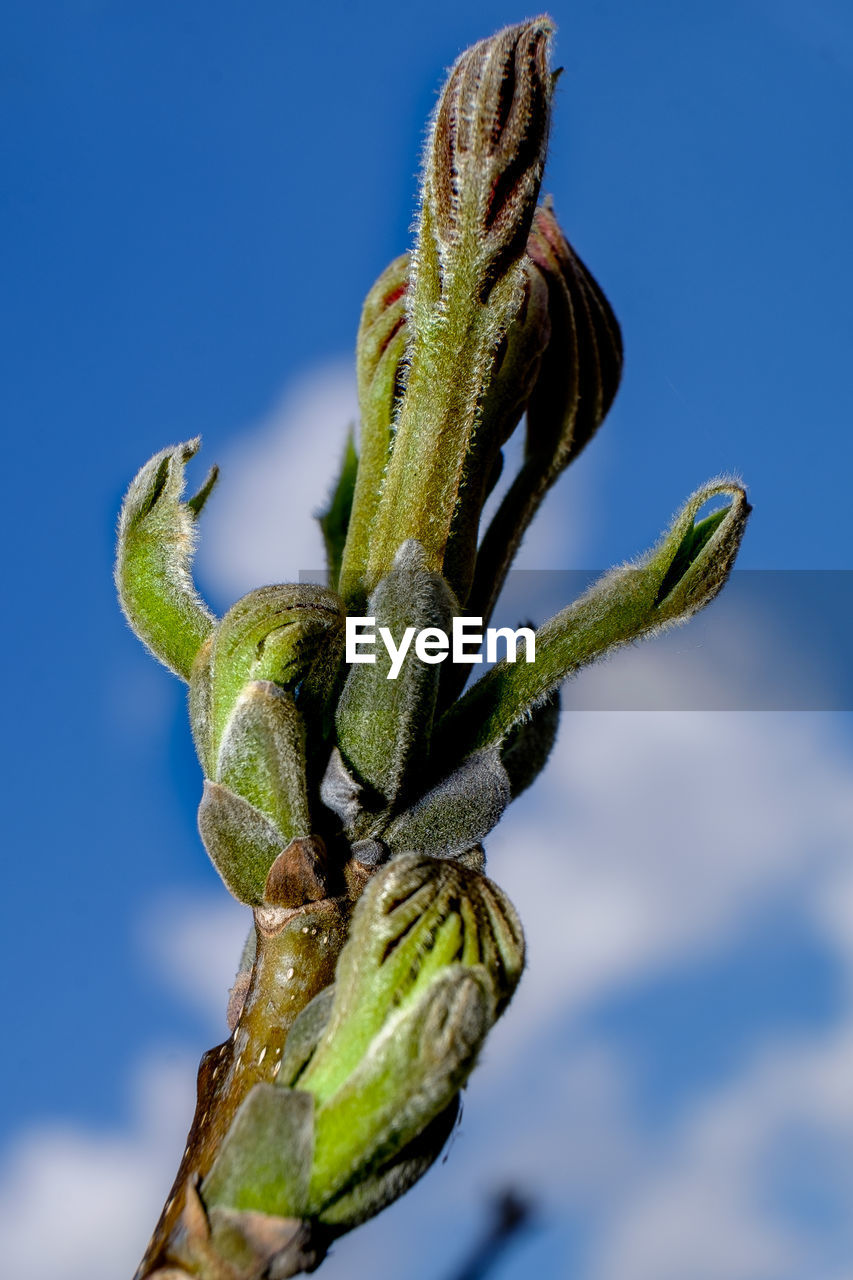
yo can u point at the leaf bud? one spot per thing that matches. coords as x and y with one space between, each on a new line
482 173
291 635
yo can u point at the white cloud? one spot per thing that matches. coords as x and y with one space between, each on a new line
707 1211
194 947
651 840
258 526
81 1204
657 833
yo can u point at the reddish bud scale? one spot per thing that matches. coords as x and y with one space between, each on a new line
576 381
571 396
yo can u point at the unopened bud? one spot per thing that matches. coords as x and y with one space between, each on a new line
487 152
433 957
470 285
292 635
366 1092
576 379
582 363
417 916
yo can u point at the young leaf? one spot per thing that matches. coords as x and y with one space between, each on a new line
576 381
156 539
679 576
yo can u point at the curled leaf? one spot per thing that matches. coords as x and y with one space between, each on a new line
156 539
482 173
666 586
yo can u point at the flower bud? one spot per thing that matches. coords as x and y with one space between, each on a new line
366 1094
582 363
433 957
416 917
382 354
156 538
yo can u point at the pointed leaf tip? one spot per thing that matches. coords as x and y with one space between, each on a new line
156 540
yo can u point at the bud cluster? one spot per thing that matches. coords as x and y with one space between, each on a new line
347 802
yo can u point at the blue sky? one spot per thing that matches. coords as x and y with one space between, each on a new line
195 200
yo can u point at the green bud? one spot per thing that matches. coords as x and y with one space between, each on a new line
666 586
156 539
481 179
410 1075
292 635
383 725
383 338
262 756
366 1093
416 917
485 157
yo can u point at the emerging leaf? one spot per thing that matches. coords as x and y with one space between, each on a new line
156 539
666 586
